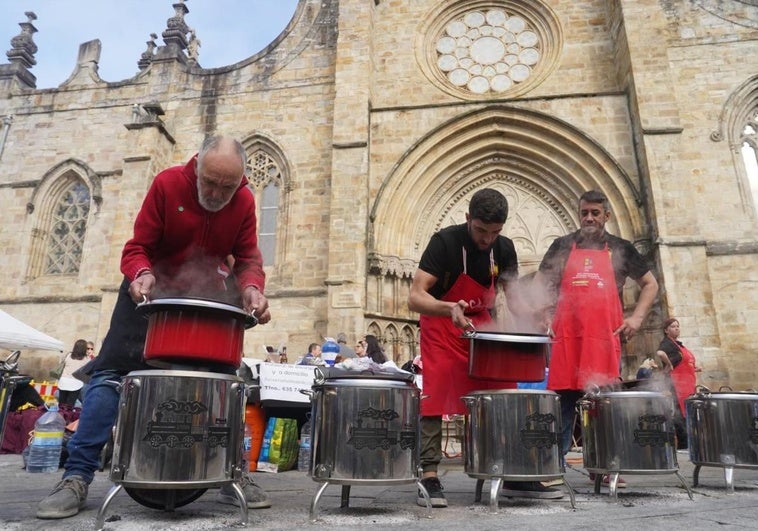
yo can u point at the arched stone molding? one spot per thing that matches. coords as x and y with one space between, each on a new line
81 169
281 174
738 111
538 161
42 205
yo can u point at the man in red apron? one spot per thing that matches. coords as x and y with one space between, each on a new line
586 271
453 287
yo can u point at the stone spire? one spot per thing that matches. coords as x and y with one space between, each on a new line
175 34
21 55
147 56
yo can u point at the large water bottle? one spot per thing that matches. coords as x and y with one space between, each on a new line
45 450
304 455
329 351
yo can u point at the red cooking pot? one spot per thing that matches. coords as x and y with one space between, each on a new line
507 357
188 330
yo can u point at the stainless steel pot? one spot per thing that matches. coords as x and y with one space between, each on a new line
178 430
722 429
514 434
364 428
628 431
507 357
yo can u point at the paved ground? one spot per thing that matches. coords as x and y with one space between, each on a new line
650 502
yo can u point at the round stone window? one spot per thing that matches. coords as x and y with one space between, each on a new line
490 48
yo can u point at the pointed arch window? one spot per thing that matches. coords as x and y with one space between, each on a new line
265 174
738 124
62 227
749 152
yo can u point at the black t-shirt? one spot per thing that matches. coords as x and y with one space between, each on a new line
626 260
443 258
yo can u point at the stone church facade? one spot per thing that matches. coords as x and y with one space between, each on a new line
369 124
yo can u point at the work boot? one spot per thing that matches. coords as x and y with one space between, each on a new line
434 489
255 496
65 500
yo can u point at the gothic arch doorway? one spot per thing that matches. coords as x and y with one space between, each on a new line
541 164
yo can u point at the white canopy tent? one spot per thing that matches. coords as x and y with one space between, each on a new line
17 335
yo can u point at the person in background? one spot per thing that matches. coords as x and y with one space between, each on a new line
69 386
90 350
679 363
313 356
583 274
360 349
453 288
374 349
345 351
193 217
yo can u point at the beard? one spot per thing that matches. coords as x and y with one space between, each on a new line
210 204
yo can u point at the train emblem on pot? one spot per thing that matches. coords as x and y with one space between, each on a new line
536 432
652 431
173 426
377 432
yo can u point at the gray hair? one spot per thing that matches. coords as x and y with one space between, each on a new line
211 143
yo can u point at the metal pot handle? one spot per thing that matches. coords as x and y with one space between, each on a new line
592 390
469 330
725 388
702 390
308 393
318 376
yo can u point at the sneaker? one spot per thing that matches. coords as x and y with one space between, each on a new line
620 483
255 496
65 500
530 489
434 489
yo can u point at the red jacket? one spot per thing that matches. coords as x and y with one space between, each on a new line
185 245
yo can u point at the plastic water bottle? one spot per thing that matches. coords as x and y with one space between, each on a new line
304 455
329 351
45 450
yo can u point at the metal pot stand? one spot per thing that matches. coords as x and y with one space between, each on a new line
178 434
627 432
364 432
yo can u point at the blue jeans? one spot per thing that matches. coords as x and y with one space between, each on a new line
99 414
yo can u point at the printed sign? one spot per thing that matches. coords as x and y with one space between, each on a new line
281 381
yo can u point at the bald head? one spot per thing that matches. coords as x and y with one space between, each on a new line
220 166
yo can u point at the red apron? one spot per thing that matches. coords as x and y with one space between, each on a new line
445 353
585 351
684 378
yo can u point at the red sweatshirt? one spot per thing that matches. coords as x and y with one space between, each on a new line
186 246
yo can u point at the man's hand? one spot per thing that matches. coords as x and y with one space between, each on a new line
456 313
629 327
140 288
253 301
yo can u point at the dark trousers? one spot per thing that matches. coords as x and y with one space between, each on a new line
431 443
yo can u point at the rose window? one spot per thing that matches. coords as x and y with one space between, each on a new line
488 51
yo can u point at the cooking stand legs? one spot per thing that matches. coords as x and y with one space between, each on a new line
345 499
613 478
100 522
497 483
728 478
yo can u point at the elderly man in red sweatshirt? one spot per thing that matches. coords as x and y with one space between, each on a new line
193 218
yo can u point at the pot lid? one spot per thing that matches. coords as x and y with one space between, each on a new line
197 305
333 373
509 337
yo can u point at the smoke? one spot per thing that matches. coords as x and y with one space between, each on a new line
198 276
